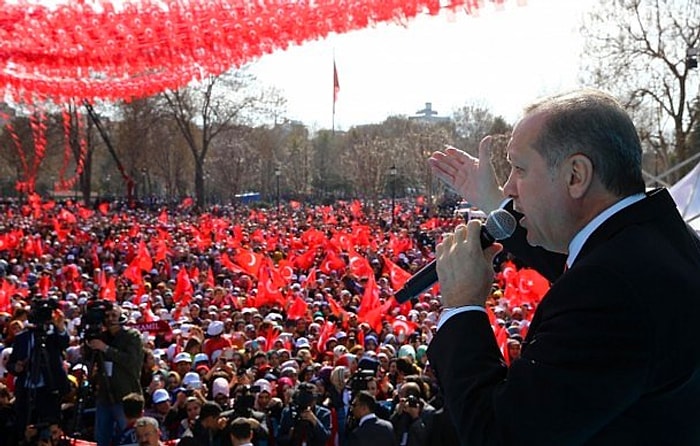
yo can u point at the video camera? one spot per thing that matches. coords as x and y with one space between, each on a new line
92 322
245 399
41 312
358 380
302 399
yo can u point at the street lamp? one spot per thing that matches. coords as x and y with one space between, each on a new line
277 177
392 174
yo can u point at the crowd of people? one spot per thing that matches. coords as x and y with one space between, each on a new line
125 325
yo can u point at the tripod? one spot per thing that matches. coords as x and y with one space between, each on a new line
87 393
42 395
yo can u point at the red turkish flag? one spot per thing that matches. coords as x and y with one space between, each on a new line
229 265
248 260
133 271
327 330
271 335
268 292
67 216
210 278
103 208
375 316
109 290
356 208
370 298
85 213
145 262
186 203
403 326
5 304
183 287
298 308
336 85
306 260
332 262
359 266
397 275
310 279
285 268
163 217
336 309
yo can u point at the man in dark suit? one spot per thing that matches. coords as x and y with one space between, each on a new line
371 430
610 357
37 363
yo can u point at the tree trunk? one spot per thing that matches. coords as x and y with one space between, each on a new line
199 183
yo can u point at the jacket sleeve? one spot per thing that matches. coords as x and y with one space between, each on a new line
322 429
589 359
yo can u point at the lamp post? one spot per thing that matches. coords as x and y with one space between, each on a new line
392 174
277 178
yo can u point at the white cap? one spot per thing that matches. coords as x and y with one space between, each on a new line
215 328
160 396
191 380
183 357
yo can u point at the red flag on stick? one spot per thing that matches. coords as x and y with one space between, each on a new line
183 287
298 309
397 275
336 85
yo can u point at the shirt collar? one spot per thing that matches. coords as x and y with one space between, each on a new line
369 416
580 238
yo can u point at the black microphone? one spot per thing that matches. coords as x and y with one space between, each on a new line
499 225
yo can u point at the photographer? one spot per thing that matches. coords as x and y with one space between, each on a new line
45 434
119 356
37 363
243 403
412 417
303 421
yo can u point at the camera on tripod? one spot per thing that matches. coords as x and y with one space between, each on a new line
41 312
92 322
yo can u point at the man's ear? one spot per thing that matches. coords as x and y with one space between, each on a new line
579 175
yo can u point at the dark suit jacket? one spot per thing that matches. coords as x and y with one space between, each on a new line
55 376
373 432
611 356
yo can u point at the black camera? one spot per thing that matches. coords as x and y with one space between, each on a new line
41 312
92 322
245 399
413 401
302 400
358 381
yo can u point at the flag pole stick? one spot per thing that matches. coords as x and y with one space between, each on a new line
335 94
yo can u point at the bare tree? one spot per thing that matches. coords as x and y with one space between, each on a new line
204 111
637 50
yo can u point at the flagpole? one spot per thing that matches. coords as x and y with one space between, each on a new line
335 94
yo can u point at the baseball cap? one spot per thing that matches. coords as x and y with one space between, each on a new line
201 357
191 380
215 328
160 396
183 357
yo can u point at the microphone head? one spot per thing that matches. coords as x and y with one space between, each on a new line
500 224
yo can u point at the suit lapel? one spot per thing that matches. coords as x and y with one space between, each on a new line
639 212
